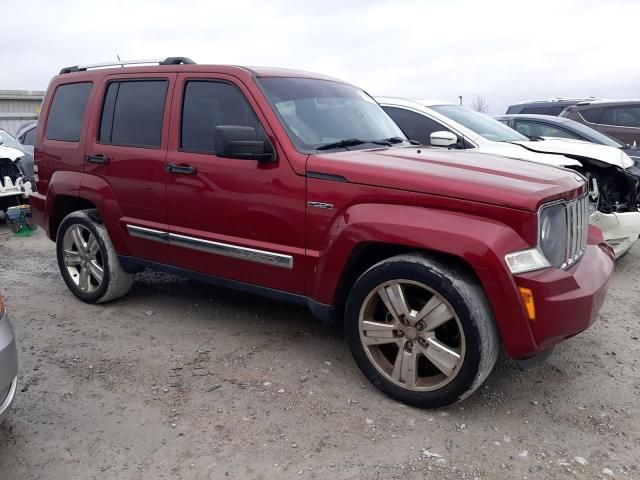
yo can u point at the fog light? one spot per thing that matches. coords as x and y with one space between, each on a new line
529 305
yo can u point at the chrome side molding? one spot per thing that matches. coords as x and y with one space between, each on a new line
209 246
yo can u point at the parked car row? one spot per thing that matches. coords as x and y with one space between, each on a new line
612 176
431 246
16 166
617 118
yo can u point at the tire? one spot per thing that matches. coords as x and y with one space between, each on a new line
397 329
91 258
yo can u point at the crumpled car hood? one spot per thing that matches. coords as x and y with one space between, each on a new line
576 149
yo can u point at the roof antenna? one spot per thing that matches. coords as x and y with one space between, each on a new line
118 57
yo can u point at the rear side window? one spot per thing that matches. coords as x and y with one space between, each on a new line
591 115
628 116
207 105
415 126
67 112
132 113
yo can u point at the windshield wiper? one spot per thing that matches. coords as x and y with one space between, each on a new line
396 140
351 142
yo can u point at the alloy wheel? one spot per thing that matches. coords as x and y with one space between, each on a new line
83 258
412 335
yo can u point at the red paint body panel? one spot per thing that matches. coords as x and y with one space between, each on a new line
471 206
567 301
237 202
457 174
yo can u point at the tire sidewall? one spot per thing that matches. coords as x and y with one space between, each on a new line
81 218
420 272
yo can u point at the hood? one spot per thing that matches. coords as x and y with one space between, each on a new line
10 153
460 174
576 149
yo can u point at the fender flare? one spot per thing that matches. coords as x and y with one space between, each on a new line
99 192
479 242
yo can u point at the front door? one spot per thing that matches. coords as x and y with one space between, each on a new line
237 219
127 148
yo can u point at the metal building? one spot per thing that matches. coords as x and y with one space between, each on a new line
18 107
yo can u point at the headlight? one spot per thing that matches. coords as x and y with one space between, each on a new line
553 234
552 238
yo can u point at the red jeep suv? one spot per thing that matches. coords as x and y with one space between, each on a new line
299 187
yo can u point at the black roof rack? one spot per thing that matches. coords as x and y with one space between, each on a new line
123 63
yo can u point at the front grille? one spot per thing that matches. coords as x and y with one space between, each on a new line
577 229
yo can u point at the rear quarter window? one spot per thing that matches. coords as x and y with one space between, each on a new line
67 111
591 115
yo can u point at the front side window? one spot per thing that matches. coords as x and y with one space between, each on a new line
415 126
132 113
207 105
317 113
483 125
622 116
67 112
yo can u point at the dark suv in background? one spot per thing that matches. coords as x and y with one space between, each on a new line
617 118
554 106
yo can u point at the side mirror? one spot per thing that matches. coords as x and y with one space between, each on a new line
233 141
443 139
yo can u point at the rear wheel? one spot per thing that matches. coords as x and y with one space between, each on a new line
421 330
87 260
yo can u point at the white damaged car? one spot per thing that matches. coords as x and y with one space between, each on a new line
614 180
14 187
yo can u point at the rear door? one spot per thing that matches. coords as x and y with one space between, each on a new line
237 219
127 149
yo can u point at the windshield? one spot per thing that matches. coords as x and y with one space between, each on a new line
325 115
488 127
7 140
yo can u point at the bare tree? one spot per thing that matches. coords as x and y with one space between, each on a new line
479 104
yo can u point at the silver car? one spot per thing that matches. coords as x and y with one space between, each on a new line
8 363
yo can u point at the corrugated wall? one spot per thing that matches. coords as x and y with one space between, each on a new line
18 107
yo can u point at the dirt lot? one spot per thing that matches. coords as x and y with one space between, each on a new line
183 380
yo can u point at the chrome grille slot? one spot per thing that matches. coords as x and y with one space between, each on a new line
577 214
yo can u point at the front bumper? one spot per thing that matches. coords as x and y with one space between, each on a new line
8 366
567 302
620 230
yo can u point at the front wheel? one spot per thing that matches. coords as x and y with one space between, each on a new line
88 262
421 330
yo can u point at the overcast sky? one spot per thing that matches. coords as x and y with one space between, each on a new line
506 51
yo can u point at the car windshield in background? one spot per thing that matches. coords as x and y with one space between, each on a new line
9 141
326 115
488 127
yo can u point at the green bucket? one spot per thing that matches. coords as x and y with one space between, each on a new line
20 221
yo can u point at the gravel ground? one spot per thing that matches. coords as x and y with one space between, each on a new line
184 380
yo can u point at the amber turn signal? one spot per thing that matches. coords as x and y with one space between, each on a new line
527 299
